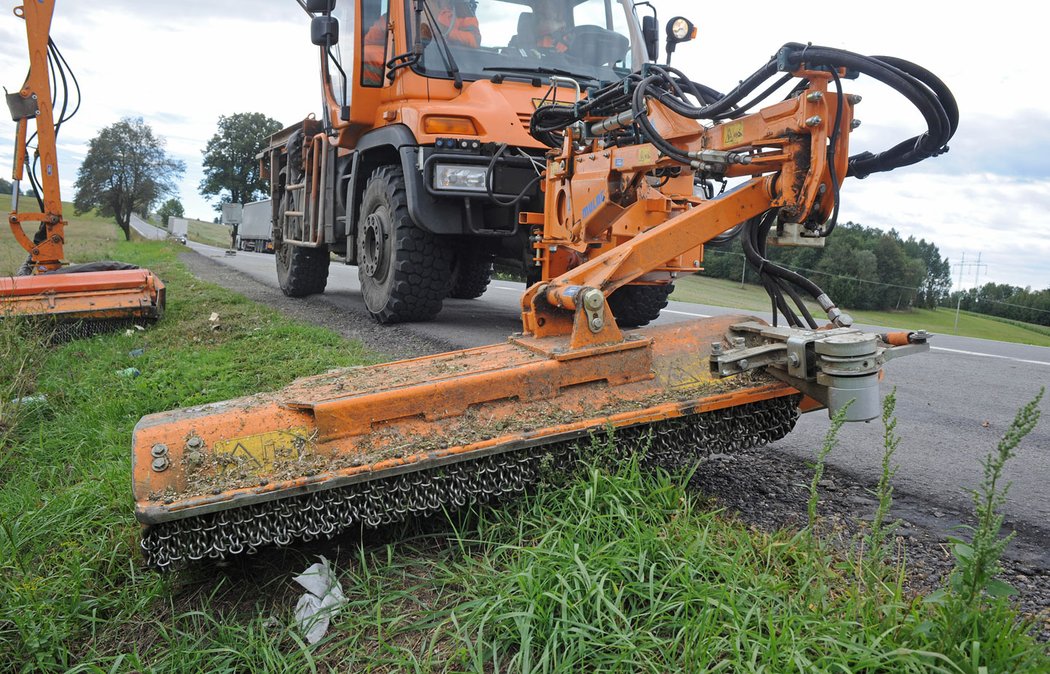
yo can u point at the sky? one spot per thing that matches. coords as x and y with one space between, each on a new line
180 65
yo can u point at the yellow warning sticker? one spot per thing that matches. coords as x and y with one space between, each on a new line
732 133
262 452
645 155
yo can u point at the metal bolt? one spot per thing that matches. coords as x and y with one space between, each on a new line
160 464
716 348
814 96
696 263
854 124
793 360
597 324
815 120
738 342
194 442
822 189
743 363
854 98
194 458
159 449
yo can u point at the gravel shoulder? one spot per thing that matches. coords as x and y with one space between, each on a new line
762 487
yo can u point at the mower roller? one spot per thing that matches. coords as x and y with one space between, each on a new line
76 299
628 202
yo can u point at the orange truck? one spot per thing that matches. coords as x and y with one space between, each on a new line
421 163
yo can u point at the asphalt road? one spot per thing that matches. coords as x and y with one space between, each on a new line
953 403
146 230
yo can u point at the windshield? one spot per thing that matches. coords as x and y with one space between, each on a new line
586 38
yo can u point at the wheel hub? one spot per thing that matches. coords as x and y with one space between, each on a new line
373 240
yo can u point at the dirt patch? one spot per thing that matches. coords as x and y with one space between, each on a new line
770 490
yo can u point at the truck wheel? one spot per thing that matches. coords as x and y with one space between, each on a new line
471 273
302 271
635 306
405 272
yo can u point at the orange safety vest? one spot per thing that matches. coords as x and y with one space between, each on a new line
462 30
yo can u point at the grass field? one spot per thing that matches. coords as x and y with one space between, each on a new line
724 293
613 570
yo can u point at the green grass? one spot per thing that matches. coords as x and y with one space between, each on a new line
209 233
70 584
725 293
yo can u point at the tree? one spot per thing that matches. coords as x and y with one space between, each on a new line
231 171
172 208
126 170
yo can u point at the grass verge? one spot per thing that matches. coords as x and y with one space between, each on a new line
69 576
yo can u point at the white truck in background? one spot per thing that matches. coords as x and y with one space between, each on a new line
255 232
178 228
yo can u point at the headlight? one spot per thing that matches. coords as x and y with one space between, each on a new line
680 29
460 178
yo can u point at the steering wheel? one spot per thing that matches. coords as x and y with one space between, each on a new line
597 46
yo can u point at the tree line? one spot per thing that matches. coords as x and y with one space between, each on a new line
1005 301
859 267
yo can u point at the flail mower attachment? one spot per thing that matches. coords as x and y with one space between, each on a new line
81 300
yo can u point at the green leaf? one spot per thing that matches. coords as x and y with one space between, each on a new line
999 589
963 552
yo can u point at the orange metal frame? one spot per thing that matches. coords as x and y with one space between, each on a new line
48 254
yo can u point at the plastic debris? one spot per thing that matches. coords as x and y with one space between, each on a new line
322 601
135 353
38 399
214 317
129 372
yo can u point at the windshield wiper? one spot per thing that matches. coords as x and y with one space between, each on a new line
542 70
452 68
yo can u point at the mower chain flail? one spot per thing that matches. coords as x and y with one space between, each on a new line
671 443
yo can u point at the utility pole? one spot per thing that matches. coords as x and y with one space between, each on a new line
963 266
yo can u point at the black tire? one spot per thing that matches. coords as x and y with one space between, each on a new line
302 271
635 306
471 274
405 272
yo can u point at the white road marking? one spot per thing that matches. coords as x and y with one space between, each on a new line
684 313
990 355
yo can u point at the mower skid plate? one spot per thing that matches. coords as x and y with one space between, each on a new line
368 423
89 295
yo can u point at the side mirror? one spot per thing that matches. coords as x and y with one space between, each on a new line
320 6
679 29
651 37
324 31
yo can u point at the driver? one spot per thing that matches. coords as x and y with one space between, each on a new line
455 19
552 26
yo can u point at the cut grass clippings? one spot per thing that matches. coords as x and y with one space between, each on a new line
615 569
